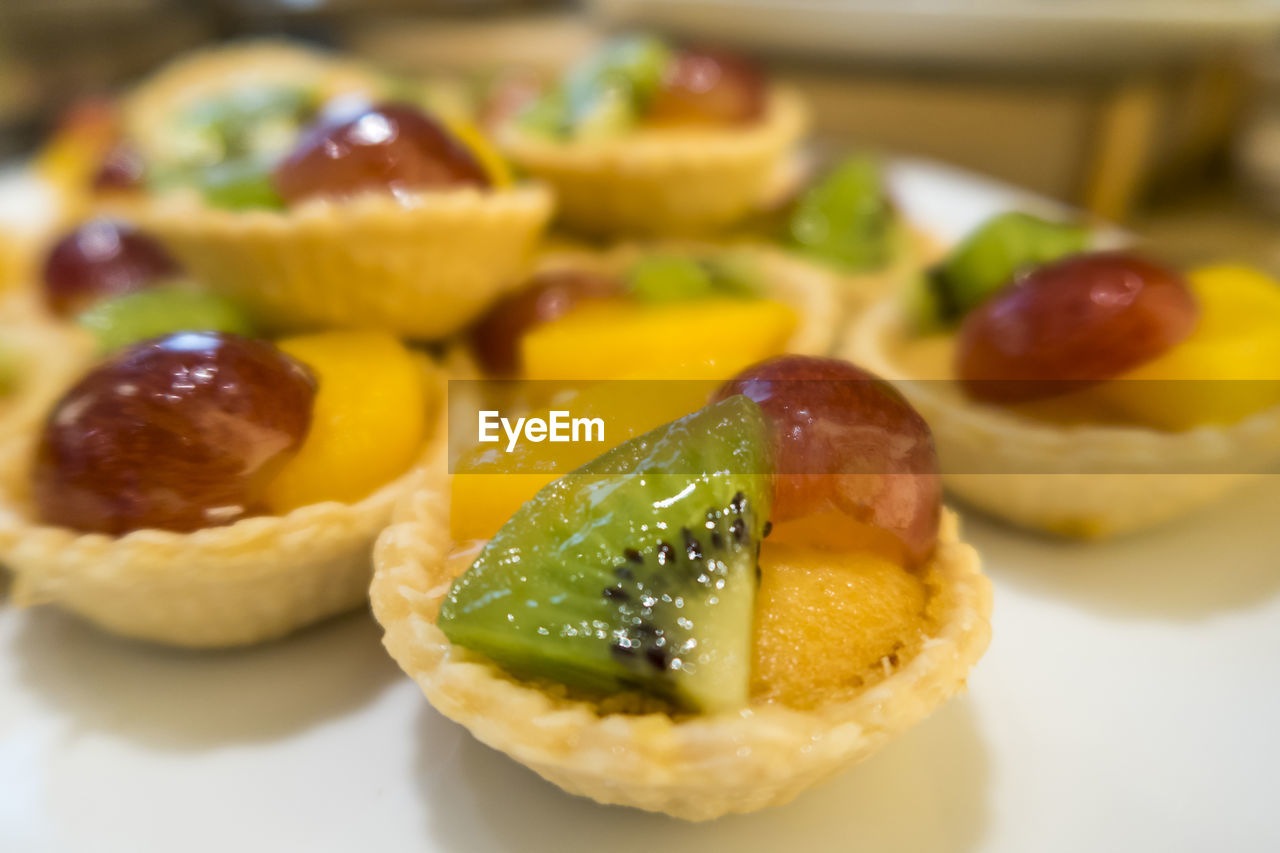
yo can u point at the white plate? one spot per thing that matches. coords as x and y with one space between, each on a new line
1128 703
1081 34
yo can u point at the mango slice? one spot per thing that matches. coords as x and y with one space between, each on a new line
368 423
703 337
1227 370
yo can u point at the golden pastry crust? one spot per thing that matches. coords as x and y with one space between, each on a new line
22 306
812 291
809 290
18 261
663 181
695 768
51 358
1029 472
149 110
422 266
251 581
858 291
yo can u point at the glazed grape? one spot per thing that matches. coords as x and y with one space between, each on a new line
708 87
178 433
848 443
549 296
387 148
101 258
1081 320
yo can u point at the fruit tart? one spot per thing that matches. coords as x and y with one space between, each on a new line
644 138
708 618
319 195
1082 392
204 488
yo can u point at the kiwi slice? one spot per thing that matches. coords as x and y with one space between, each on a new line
990 258
678 278
604 94
636 572
120 321
226 146
243 183
845 219
234 121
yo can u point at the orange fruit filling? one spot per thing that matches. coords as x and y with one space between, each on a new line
831 622
606 340
368 424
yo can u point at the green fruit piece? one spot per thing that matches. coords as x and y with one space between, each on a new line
635 63
669 278
225 146
241 184
675 278
734 274
134 317
845 219
241 120
609 113
605 94
546 116
990 258
635 572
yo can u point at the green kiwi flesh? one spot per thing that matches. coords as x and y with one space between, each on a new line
846 219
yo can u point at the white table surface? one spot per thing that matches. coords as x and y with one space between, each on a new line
1130 701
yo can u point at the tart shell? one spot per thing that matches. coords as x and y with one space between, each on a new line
51 358
915 250
254 580
1086 482
695 768
423 266
663 182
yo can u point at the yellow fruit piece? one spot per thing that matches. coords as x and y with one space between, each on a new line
490 160
828 622
480 503
368 423
699 338
490 484
1227 370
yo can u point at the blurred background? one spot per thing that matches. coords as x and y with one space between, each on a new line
1161 114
